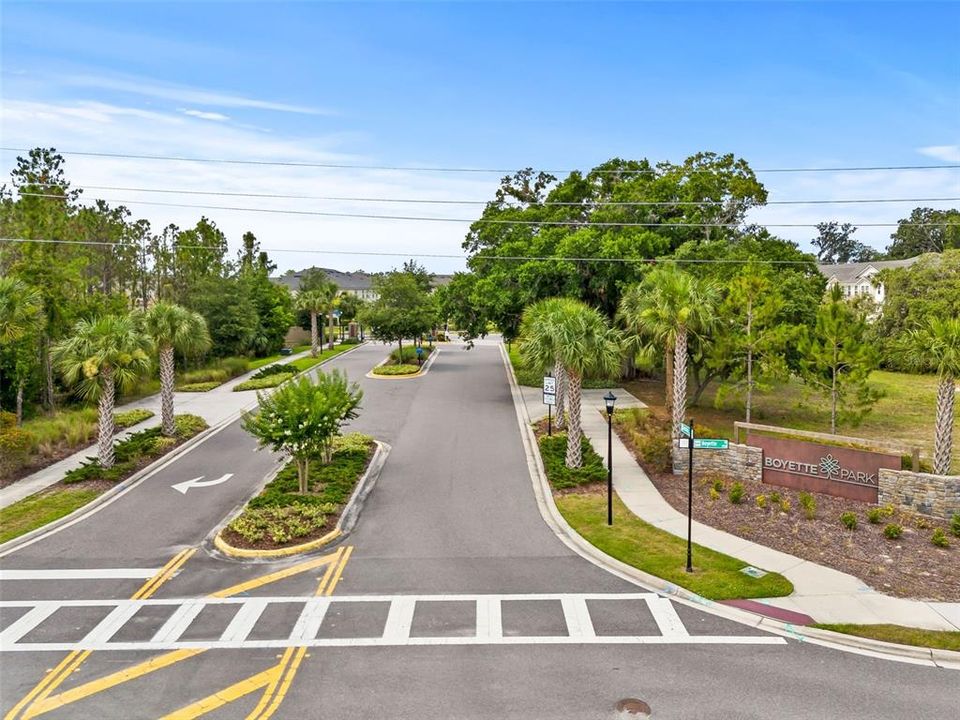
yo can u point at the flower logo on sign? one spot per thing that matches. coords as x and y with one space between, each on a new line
829 465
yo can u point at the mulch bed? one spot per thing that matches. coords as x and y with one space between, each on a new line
237 540
908 567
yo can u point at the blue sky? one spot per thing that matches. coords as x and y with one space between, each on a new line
480 85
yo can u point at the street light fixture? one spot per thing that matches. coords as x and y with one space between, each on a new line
609 399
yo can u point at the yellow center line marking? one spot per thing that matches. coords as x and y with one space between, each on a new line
227 695
273 577
327 575
285 685
167 572
339 571
48 678
109 681
32 711
271 688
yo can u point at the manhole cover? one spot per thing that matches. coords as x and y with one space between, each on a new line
632 709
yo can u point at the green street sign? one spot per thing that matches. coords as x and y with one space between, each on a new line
684 429
710 444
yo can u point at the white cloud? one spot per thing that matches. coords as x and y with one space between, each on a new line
290 238
218 117
181 93
947 153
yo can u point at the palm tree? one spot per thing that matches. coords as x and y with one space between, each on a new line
21 313
665 307
578 337
313 303
173 328
104 353
536 322
936 346
328 292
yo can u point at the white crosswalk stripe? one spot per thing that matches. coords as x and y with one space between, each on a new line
485 613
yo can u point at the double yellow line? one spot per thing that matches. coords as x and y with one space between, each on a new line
164 574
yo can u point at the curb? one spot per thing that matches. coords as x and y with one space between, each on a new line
346 523
420 373
134 480
566 534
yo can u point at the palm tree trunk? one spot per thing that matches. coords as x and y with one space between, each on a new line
679 380
943 439
313 334
105 419
668 378
574 451
330 327
561 377
20 403
166 390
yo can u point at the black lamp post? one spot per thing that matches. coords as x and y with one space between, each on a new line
609 399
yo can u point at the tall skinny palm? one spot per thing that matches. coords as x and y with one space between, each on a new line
173 329
667 306
578 337
103 354
328 293
313 302
21 314
538 322
936 346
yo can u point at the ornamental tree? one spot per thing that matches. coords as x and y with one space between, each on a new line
303 417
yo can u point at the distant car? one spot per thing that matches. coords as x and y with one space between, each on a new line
286 351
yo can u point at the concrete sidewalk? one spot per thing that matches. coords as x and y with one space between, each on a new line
827 595
214 406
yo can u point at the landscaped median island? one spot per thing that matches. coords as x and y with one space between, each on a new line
271 376
83 484
580 495
282 517
896 552
405 362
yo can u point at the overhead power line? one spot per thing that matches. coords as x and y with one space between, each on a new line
469 221
347 166
445 256
431 201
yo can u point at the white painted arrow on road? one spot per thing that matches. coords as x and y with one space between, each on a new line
199 482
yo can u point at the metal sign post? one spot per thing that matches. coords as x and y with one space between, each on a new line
549 399
690 498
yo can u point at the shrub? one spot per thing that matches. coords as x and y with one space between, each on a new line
955 524
187 425
7 420
199 387
921 523
396 370
736 493
15 445
874 515
718 485
849 520
893 531
775 498
809 504
553 450
217 375
129 418
785 506
281 524
409 356
714 495
761 501
939 538
262 383
350 341
269 370
657 450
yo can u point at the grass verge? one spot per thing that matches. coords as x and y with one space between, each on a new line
940 639
308 362
264 382
38 510
280 515
260 362
631 540
396 370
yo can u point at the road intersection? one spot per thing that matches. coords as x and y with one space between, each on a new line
451 598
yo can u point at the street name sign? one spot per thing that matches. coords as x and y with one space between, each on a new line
706 443
684 429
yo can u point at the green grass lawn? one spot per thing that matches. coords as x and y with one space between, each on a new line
308 362
631 540
38 510
940 639
260 362
906 413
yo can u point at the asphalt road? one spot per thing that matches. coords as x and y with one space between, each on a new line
453 516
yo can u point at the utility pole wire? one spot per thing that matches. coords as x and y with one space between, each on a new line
345 166
469 221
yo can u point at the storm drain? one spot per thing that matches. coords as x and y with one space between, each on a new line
632 709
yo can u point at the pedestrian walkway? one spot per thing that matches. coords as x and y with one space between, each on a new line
214 406
827 595
359 620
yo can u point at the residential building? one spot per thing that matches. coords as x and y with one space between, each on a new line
856 279
357 283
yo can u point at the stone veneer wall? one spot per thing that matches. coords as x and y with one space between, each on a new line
739 461
936 495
